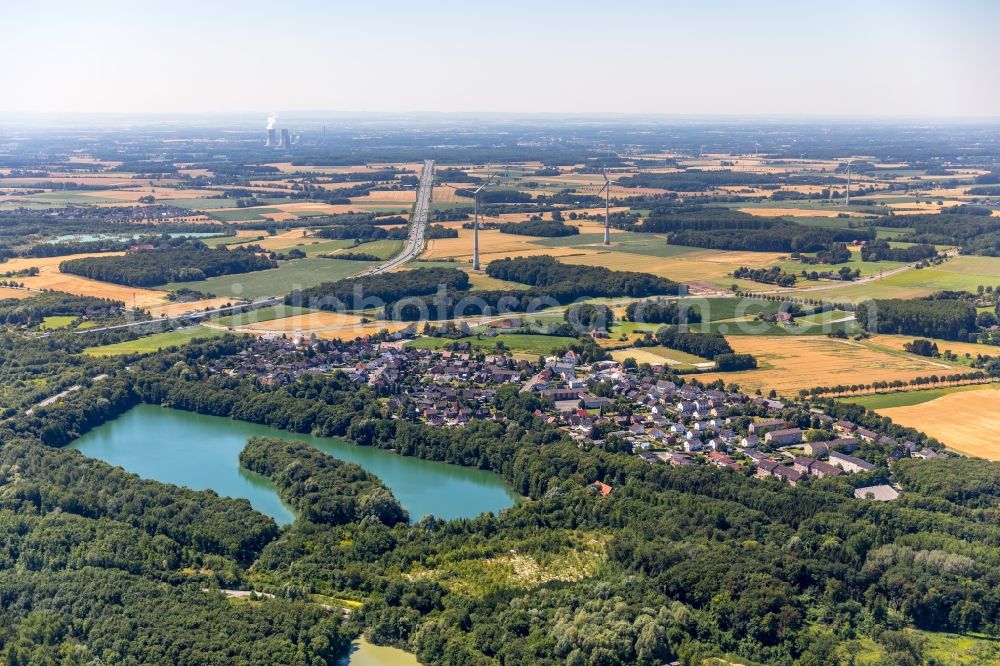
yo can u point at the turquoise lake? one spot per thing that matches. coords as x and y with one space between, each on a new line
201 452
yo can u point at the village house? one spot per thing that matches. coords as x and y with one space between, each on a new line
849 463
760 427
783 437
822 469
602 488
722 460
845 427
817 449
867 435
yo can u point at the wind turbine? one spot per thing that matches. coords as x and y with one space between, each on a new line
847 198
475 223
607 206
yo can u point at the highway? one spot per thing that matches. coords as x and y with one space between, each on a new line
412 248
418 225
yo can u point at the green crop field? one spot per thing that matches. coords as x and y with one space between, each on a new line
289 275
652 245
199 204
721 309
821 318
384 249
56 322
525 344
155 342
255 214
866 267
260 315
908 398
963 273
326 246
218 241
62 198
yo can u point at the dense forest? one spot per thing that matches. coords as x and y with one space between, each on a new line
436 231
188 262
964 226
705 345
554 284
376 290
778 236
773 275
733 362
361 231
692 561
659 311
693 180
547 228
541 271
937 318
29 311
881 250
725 229
321 488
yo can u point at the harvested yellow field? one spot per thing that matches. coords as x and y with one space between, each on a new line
282 241
297 209
250 233
561 253
641 356
73 284
795 212
280 216
944 192
90 159
387 196
338 186
326 326
10 292
46 264
492 240
790 363
184 307
700 265
307 323
351 332
924 206
49 277
448 195
967 421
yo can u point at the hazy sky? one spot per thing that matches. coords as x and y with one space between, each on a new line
875 57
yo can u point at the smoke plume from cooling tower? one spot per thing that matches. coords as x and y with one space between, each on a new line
272 120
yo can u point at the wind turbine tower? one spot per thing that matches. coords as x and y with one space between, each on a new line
847 198
607 208
475 225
